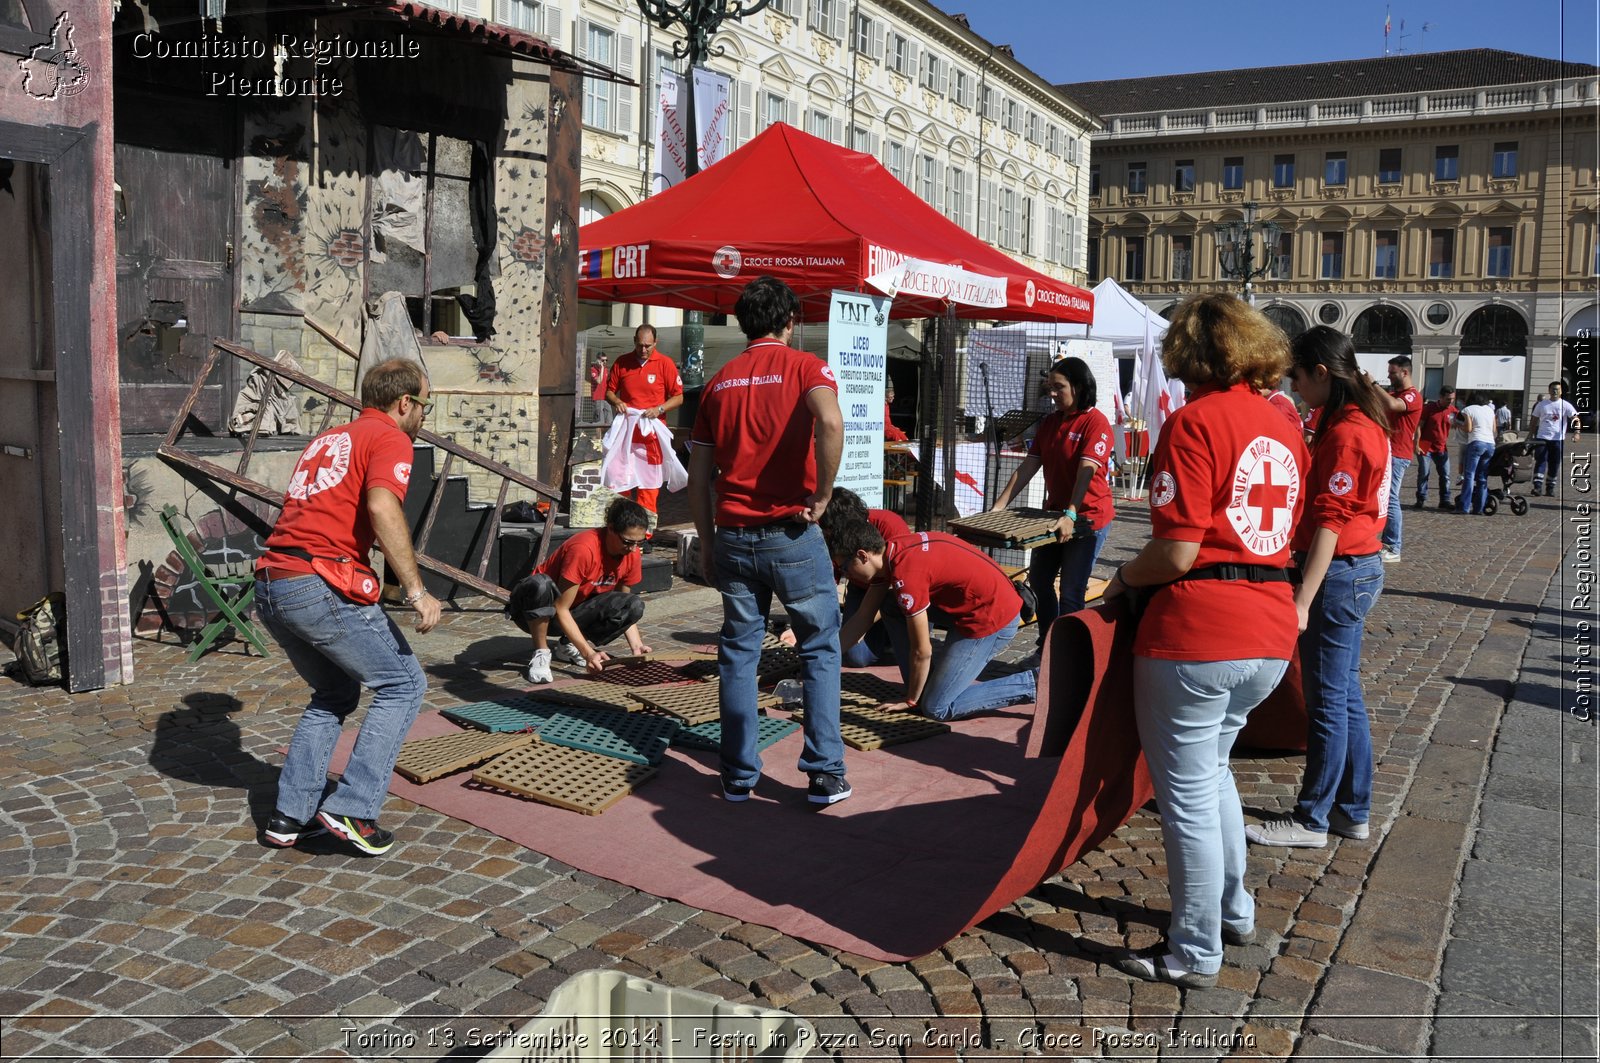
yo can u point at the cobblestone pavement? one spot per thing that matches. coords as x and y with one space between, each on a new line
140 918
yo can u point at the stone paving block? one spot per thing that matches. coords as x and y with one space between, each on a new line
1401 935
1419 859
1373 1008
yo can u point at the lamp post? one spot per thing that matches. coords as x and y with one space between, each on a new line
700 20
1236 250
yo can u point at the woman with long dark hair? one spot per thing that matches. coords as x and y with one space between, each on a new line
1219 628
1073 445
1341 577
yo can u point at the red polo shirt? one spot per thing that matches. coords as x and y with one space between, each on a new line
1064 440
753 414
932 568
644 385
1435 436
324 505
1226 474
1403 426
1348 485
583 562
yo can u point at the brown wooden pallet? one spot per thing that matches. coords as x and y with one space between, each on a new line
693 703
1012 528
590 693
648 674
864 728
866 689
426 759
574 779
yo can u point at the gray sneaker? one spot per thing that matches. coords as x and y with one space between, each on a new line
1286 831
1345 827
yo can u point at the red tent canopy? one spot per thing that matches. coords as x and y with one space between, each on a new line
818 217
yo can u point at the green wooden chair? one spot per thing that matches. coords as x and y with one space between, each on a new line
230 590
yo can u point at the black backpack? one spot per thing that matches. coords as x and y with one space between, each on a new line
41 645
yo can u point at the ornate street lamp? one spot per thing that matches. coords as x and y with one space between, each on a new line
1236 249
700 20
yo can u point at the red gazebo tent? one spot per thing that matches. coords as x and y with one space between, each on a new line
818 217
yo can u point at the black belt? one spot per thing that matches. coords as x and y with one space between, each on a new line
1243 573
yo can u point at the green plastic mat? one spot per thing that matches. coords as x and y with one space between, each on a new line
639 737
709 735
515 713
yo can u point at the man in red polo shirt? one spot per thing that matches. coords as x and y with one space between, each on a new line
927 570
768 439
1405 413
1433 446
346 491
645 380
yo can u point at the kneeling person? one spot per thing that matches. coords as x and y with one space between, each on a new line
927 570
584 587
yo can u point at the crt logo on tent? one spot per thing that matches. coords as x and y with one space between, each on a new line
622 263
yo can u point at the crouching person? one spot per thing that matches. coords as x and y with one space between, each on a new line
583 586
926 570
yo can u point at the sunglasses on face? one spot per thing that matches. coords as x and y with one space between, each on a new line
424 403
632 544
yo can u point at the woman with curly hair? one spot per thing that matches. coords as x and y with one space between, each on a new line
1219 627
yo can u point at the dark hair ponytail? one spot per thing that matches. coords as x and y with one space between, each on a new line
1346 385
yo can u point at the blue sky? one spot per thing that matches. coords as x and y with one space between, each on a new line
1091 40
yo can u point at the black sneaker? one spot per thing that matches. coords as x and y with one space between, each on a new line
364 834
282 832
734 793
828 789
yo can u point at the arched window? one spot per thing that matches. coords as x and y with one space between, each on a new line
1287 318
1382 330
1495 330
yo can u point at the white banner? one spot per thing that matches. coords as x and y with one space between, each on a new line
940 280
712 107
858 352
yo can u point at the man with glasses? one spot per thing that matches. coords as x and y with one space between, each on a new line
583 586
319 600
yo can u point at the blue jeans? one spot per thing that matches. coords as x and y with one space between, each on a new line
879 641
1391 530
1475 475
338 648
1439 459
1072 560
1547 455
951 694
1339 738
1189 713
788 559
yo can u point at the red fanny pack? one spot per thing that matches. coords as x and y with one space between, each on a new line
349 578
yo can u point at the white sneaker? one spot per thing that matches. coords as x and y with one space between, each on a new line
567 653
539 668
1286 831
1390 557
1345 827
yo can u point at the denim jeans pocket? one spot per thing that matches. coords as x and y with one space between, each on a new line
796 581
310 610
1364 592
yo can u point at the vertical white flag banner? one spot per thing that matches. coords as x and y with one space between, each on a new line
671 156
858 352
712 104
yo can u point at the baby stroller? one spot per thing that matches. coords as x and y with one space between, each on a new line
1511 461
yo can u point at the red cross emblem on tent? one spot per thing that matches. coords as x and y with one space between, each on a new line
1266 485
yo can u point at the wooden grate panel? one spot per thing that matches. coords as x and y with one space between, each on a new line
868 690
769 729
646 674
637 736
864 728
694 703
591 694
427 759
566 778
517 713
1007 528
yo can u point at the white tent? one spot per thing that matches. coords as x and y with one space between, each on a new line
1122 319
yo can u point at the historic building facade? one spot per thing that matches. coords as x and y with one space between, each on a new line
957 118
1440 205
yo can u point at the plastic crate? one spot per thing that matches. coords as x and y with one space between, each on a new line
608 1015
